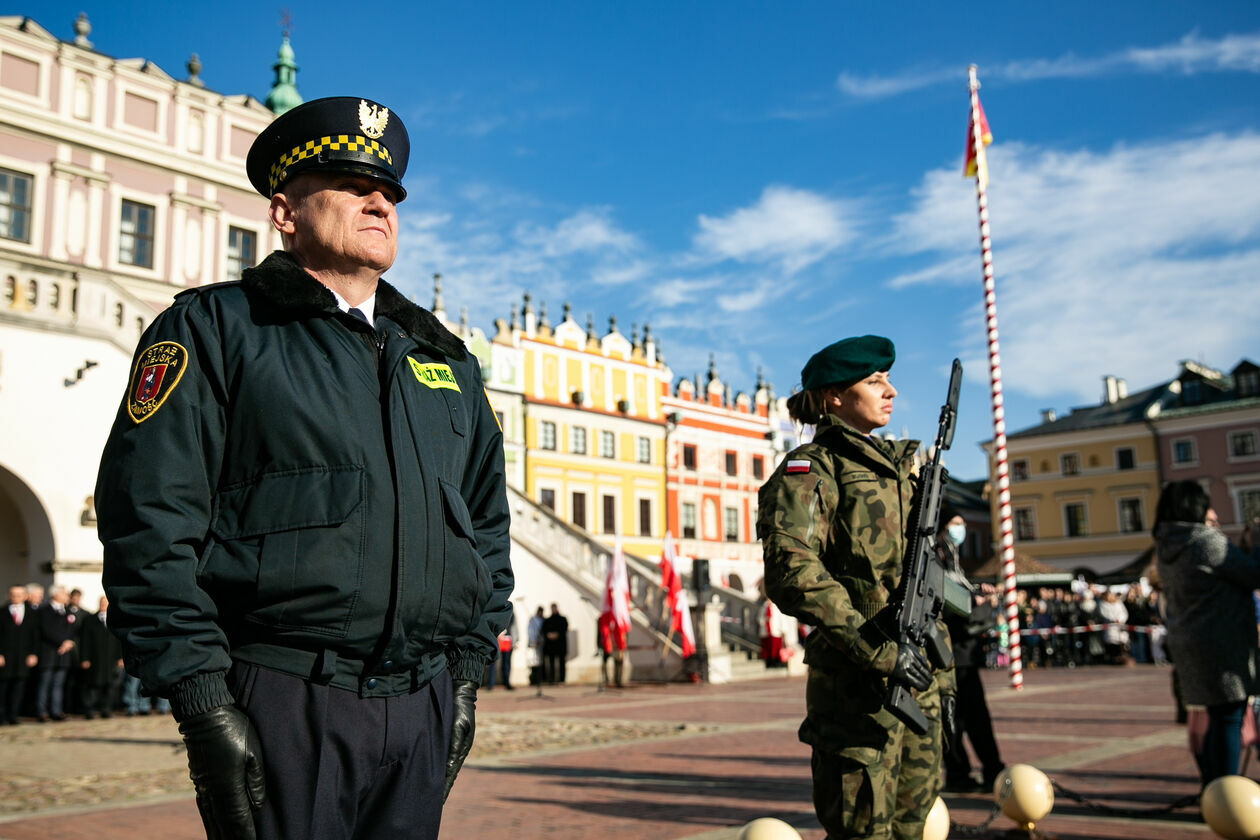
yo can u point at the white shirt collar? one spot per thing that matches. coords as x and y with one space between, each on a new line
368 307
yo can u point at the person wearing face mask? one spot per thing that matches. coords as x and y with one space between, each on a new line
832 520
967 635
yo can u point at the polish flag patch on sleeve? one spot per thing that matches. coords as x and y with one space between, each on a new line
795 467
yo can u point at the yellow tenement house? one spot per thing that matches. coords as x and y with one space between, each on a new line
594 427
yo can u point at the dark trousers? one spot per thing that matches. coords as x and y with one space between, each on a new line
975 723
553 665
100 691
1222 743
51 694
342 767
12 690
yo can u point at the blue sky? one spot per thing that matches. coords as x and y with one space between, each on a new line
756 180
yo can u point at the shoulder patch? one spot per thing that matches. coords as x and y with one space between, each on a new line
158 370
434 375
797 467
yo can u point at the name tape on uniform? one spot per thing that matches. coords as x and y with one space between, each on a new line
434 374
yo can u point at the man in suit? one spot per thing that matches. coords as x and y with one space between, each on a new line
19 639
58 637
100 663
555 645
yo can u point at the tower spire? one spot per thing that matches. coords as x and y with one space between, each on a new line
284 93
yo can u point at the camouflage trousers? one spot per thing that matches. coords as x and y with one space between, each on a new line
886 794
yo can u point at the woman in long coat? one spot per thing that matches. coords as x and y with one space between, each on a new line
1211 619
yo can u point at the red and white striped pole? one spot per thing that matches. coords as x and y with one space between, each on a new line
995 382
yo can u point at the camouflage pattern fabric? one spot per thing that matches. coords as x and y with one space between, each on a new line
832 521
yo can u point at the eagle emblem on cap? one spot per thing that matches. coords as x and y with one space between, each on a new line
372 119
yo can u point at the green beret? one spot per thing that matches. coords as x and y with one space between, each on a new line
848 361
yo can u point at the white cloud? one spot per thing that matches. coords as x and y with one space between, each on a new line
588 230
882 87
1126 260
792 228
1191 54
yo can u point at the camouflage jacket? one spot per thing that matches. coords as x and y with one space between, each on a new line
832 520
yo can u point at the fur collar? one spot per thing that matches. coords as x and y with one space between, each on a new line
284 288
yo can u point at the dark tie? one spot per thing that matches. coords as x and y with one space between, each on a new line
356 312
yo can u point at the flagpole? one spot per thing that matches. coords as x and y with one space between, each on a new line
995 383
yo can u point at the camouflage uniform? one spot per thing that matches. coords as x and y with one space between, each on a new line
832 523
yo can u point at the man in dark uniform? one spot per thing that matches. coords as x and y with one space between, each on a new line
304 513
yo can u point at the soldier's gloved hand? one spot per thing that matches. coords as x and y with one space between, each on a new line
949 719
225 763
912 668
463 728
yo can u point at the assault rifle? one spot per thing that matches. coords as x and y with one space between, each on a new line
925 589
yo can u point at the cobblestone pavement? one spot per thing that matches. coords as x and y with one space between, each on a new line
652 761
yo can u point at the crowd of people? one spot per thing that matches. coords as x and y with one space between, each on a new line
1082 625
58 658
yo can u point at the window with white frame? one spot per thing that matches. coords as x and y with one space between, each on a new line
1025 524
135 234
1183 451
643 450
1070 463
1126 459
1242 444
1019 469
15 205
242 251
609 523
730 524
547 498
688 521
645 517
1130 511
1248 505
607 445
547 435
1075 522
577 509
577 440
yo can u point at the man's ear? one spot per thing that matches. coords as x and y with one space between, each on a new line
281 213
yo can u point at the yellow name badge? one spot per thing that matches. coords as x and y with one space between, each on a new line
435 375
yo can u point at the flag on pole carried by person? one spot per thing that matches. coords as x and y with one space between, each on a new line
681 621
670 581
617 590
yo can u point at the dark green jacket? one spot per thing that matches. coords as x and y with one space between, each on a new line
832 519
284 487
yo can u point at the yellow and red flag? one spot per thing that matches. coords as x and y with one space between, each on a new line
975 164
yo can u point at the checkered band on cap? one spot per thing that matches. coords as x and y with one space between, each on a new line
336 147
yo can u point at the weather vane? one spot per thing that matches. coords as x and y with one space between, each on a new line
286 22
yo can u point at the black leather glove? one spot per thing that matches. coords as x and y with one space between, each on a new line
225 763
949 720
463 727
912 669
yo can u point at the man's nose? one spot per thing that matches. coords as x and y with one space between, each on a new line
378 203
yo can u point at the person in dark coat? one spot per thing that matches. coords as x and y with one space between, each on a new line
19 653
1211 618
967 635
304 513
555 630
101 664
58 638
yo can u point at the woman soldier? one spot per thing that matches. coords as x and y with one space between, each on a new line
833 521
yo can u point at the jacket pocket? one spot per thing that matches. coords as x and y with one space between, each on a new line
465 581
304 531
